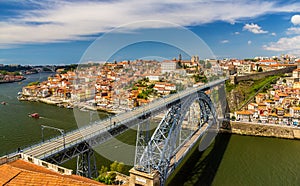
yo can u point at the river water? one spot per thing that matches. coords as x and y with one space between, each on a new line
19 130
230 160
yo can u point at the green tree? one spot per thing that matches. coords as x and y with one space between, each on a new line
33 83
173 92
112 176
284 80
208 65
3 72
114 166
199 78
142 95
120 167
17 73
150 86
103 170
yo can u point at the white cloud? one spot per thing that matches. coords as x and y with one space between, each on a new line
295 19
225 41
254 28
273 34
249 42
287 45
236 33
56 21
293 30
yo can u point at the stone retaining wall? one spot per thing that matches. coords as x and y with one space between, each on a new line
253 129
260 75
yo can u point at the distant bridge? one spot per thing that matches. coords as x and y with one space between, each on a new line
161 152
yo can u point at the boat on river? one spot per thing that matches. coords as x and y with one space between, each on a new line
34 115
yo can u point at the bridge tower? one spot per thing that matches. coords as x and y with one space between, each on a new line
157 157
86 164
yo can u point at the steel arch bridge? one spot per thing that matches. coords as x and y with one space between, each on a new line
78 143
159 152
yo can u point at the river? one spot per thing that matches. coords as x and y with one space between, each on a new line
231 160
19 130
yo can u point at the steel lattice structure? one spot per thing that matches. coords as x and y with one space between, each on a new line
157 153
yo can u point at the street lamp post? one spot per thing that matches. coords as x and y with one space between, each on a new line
53 128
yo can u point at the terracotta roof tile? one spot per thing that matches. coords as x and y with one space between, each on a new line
20 172
296 108
6 173
244 112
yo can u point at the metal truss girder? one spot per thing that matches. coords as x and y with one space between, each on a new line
162 145
86 164
68 153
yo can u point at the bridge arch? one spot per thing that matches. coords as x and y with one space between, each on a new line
159 153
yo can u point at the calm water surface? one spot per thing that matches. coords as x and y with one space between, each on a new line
243 160
231 160
16 128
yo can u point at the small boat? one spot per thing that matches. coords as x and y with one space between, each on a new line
3 103
34 115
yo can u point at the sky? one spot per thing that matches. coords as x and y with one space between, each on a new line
63 31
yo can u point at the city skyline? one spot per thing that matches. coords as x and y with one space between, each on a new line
59 32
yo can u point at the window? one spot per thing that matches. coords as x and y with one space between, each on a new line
61 170
45 164
30 159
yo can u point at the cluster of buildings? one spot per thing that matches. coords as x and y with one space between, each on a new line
248 66
59 87
10 78
115 86
279 105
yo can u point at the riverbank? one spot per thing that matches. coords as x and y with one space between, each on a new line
12 79
265 130
67 103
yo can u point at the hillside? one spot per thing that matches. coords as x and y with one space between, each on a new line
240 94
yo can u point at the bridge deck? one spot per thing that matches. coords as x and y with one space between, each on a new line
188 145
55 145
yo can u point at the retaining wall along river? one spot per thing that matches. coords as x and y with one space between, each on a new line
267 130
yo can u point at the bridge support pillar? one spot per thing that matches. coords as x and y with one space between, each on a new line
144 179
86 164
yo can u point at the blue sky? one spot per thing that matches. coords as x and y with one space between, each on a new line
60 31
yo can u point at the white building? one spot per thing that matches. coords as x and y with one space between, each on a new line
296 73
169 66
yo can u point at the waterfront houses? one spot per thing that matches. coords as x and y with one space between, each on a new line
6 78
279 105
113 86
117 86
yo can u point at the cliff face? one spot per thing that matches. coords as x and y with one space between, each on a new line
238 95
